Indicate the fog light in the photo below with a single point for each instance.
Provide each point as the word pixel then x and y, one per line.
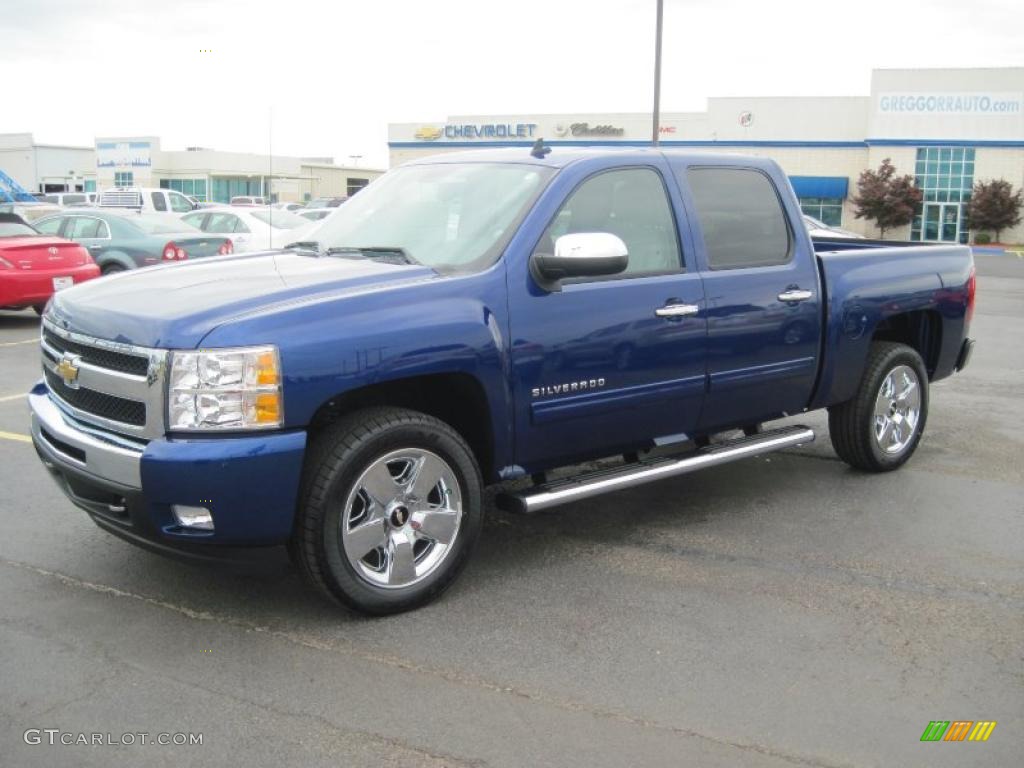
pixel 199 518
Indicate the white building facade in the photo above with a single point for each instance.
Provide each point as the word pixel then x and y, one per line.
pixel 947 128
pixel 47 167
pixel 214 176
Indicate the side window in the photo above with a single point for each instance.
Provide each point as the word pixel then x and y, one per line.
pixel 82 228
pixel 179 203
pixel 50 226
pixel 222 223
pixel 631 203
pixel 194 220
pixel 741 217
pixel 159 204
pixel 240 226
pixel 102 230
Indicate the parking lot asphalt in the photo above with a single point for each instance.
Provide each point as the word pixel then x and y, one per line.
pixel 781 611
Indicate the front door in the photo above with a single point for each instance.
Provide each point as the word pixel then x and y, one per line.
pixel 762 293
pixel 597 368
pixel 941 222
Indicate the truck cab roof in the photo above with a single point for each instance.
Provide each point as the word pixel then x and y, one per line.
pixel 561 156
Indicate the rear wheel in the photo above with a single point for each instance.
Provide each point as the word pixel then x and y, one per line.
pixel 392 506
pixel 881 427
pixel 39 309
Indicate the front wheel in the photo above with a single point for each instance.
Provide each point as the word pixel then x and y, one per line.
pixel 881 427
pixel 392 506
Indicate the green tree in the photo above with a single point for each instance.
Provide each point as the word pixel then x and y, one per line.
pixel 994 206
pixel 885 198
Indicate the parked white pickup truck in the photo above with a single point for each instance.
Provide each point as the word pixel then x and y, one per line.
pixel 146 200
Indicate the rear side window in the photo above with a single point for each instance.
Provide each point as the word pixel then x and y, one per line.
pixel 159 204
pixel 741 218
pixel 630 203
pixel 82 227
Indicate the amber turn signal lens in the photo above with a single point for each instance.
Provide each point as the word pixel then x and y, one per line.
pixel 266 369
pixel 268 408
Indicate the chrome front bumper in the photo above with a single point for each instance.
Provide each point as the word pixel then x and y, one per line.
pixel 67 442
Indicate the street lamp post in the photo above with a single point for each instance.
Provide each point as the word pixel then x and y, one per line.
pixel 657 75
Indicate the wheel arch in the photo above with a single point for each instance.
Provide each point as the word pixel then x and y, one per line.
pixel 116 257
pixel 458 399
pixel 919 329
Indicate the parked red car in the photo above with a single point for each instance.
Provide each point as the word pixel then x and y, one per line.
pixel 33 266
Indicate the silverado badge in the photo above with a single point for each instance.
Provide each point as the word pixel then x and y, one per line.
pixel 568 387
pixel 67 369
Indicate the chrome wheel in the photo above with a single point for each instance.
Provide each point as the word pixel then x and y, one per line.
pixel 897 410
pixel 401 518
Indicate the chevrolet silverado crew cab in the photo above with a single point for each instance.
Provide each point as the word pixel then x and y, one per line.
pixel 473 319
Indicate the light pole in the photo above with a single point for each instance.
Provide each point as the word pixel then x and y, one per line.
pixel 657 75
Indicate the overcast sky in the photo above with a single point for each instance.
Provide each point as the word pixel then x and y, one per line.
pixel 335 73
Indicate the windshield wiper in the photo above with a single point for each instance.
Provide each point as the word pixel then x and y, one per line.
pixel 390 254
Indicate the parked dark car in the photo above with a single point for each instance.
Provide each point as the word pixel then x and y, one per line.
pixel 120 241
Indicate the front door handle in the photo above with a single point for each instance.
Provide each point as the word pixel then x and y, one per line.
pixel 795 294
pixel 673 311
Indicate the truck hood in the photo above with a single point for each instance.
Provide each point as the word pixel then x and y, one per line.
pixel 176 305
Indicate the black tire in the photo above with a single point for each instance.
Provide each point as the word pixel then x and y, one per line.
pixel 851 424
pixel 335 460
pixel 39 309
pixel 112 268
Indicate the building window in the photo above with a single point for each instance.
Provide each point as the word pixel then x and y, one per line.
pixel 124 179
pixel 192 187
pixel 224 188
pixel 90 185
pixel 828 210
pixel 354 185
pixel 945 176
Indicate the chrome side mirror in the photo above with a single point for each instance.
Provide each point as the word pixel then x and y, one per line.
pixel 584 254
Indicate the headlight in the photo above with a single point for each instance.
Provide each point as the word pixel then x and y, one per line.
pixel 225 389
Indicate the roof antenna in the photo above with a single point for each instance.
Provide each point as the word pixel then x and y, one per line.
pixel 539 150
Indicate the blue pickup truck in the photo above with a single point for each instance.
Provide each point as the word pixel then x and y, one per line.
pixel 478 318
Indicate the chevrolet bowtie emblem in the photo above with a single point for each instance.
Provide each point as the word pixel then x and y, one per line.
pixel 67 369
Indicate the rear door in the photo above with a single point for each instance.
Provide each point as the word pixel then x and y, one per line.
pixel 600 366
pixel 761 284
pixel 89 231
pixel 232 227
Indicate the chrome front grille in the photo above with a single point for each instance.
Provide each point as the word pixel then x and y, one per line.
pixel 111 385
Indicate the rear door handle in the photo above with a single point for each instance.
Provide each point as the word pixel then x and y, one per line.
pixel 795 294
pixel 673 311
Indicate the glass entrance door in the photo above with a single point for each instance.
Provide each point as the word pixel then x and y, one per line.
pixel 941 222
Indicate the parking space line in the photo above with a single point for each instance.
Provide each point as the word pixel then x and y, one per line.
pixel 15 437
pixel 16 343
pixel 8 398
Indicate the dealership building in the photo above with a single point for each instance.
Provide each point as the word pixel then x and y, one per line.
pixel 206 174
pixel 948 128
pixel 215 176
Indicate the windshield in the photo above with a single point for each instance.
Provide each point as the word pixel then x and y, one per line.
pixel 15 229
pixel 452 217
pixel 279 218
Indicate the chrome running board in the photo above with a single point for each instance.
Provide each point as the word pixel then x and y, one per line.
pixel 584 486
